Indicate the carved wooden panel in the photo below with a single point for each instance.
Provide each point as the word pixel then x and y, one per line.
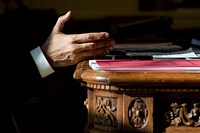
pixel 183 114
pixel 107 111
pixel 138 114
pixel 183 117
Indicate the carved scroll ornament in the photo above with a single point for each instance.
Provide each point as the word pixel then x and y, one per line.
pixel 183 115
pixel 104 112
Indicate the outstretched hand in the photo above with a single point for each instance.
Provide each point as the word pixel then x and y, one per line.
pixel 68 49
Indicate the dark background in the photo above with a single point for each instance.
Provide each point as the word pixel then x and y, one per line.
pixel 23 28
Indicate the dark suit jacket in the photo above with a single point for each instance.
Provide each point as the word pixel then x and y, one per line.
pixel 53 104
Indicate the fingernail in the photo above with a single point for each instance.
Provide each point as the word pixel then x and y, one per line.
pixel 111 41
pixel 106 35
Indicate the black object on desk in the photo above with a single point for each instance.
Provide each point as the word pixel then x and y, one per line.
pixel 124 55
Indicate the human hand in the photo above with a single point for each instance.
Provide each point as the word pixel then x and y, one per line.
pixel 68 49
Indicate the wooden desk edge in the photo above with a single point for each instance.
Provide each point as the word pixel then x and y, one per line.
pixel 84 73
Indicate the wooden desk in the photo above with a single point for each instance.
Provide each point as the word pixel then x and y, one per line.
pixel 152 102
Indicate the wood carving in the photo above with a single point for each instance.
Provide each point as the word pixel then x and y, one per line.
pixel 183 115
pixel 104 112
pixel 138 113
pixel 126 102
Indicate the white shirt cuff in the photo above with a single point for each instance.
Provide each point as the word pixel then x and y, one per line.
pixel 41 62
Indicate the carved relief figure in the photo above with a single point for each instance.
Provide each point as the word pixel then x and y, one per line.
pixel 183 115
pixel 138 113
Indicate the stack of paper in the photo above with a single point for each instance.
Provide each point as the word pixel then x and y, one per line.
pixel 180 54
pixel 185 54
pixel 178 60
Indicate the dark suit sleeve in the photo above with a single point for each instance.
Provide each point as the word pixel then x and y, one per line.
pixel 20 78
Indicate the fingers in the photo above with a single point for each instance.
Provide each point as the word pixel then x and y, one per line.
pixel 90 54
pixel 61 22
pixel 71 59
pixel 88 37
pixel 106 44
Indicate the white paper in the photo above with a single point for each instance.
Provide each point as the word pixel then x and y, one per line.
pixel 187 54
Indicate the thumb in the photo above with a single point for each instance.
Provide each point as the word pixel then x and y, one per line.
pixel 61 22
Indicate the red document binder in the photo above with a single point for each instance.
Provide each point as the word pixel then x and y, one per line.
pixel 145 65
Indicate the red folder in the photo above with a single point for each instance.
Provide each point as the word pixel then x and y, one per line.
pixel 145 65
